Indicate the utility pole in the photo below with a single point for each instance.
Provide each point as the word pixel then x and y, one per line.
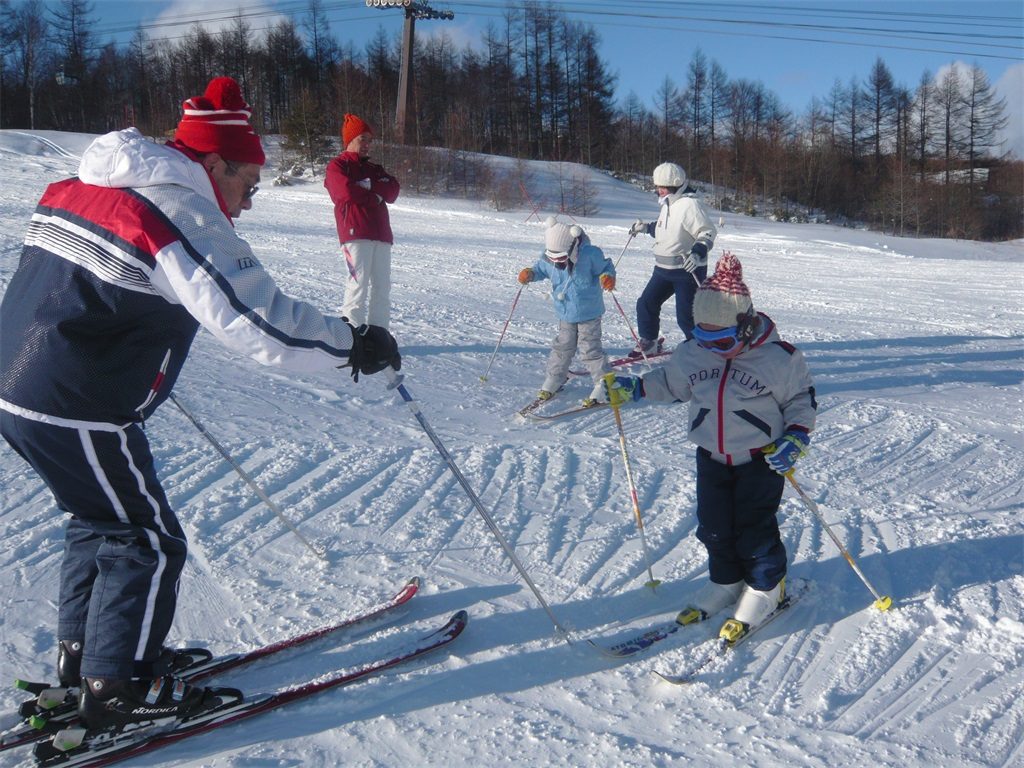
pixel 413 10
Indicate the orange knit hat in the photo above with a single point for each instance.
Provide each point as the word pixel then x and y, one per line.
pixel 352 127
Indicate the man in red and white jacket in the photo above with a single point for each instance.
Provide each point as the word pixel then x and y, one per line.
pixel 361 191
pixel 120 268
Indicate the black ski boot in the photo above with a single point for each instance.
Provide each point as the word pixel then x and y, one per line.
pixel 113 704
pixel 172 661
pixel 69 663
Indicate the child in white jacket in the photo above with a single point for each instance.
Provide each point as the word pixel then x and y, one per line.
pixel 683 235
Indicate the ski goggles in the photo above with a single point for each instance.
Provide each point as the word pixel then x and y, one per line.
pixel 717 341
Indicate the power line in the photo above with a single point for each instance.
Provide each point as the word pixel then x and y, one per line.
pixel 611 14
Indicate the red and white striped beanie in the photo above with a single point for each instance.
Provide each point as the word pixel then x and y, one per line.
pixel 723 298
pixel 218 121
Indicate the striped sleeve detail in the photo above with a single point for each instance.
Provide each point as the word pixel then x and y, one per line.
pixel 108 232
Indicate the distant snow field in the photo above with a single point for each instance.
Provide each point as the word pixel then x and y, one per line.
pixel 917 462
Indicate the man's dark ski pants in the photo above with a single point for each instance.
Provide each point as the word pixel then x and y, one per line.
pixel 124 548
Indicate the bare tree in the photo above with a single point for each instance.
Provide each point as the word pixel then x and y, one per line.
pixel 879 98
pixel 666 100
pixel 950 104
pixel 984 117
pixel 322 47
pixel 72 35
pixel 853 119
pixel 24 28
pixel 696 88
pixel 923 109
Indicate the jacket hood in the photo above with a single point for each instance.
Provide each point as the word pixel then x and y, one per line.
pixel 128 159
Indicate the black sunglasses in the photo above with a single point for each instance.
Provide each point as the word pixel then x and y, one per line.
pixel 233 171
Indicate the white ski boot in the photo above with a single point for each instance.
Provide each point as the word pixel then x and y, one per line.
pixel 753 607
pixel 709 600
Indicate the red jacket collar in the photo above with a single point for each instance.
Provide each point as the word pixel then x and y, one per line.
pixel 197 157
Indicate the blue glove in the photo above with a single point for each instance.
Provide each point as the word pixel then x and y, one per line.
pixel 783 453
pixel 624 389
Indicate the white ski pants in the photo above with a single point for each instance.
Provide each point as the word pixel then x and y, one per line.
pixel 368 288
pixel 571 338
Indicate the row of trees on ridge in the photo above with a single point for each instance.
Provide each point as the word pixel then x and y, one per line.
pixel 921 160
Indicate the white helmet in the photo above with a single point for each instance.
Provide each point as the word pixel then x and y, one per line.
pixel 669 175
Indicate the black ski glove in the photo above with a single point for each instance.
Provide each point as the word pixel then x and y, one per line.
pixel 373 350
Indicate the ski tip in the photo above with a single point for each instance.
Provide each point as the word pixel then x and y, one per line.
pixel 605 651
pixel 674 679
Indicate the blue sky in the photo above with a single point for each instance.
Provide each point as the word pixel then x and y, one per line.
pixel 797 49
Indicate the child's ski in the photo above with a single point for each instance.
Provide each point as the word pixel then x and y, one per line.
pixel 534 416
pixel 723 649
pixel 625 362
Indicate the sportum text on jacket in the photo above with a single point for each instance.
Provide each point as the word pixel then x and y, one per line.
pixel 119 269
pixel 738 406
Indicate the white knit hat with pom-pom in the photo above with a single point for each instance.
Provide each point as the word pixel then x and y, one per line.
pixel 560 239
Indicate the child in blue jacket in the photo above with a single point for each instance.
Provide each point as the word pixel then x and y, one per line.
pixel 577 271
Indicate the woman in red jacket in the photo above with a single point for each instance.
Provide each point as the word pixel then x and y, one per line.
pixel 361 191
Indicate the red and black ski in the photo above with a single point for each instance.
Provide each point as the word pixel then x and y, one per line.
pixel 56 708
pixel 75 747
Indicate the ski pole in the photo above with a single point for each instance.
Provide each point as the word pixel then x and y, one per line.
pixel 396 383
pixel 882 603
pixel 609 380
pixel 630 326
pixel 628 241
pixel 502 336
pixel 321 553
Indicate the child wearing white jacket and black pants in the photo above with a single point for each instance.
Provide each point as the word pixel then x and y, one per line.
pixel 683 234
pixel 577 271
pixel 751 411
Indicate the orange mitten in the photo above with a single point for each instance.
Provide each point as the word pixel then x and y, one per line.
pixel 526 276
pixel 608 282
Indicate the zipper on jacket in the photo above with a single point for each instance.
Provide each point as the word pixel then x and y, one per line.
pixel 721 413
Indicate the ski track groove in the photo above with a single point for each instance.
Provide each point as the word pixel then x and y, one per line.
pixel 904 702
pixel 896 680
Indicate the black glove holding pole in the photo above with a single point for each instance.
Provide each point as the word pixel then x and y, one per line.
pixel 373 350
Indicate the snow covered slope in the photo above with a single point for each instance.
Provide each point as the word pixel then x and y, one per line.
pixel 917 462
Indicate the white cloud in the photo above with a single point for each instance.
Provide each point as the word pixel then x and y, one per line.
pixel 1011 87
pixel 213 16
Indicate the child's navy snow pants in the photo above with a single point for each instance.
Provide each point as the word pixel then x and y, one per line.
pixel 736 522
pixel 663 284
pixel 124 548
